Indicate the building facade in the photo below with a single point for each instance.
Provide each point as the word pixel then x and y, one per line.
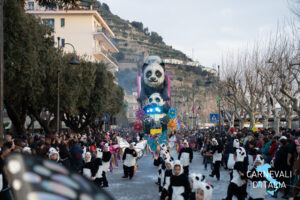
pixel 85 29
pixel 132 106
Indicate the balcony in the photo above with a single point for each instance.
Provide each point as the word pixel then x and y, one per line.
pixel 101 55
pixel 106 40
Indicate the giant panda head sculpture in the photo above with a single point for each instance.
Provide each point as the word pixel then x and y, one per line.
pixel 154 74
pixel 156 99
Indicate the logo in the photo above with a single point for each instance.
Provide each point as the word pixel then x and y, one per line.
pixel 270 176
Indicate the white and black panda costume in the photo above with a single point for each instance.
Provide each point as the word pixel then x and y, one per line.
pixel 237 186
pixel 167 178
pixel 196 179
pixel 207 190
pixel 106 163
pixel 88 166
pixel 129 159
pixel 231 161
pixel 97 162
pixel 186 157
pixel 217 158
pixel 179 188
pixel 160 163
pixel 52 151
pixel 257 192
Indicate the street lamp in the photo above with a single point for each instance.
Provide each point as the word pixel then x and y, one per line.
pixel 73 61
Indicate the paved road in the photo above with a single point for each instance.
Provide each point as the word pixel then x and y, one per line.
pixel 143 187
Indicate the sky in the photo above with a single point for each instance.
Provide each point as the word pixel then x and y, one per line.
pixel 206 30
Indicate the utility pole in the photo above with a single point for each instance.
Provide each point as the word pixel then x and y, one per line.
pixel 1 66
pixel 219 99
pixel 58 76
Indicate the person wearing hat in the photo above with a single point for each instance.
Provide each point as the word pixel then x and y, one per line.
pixel 167 177
pixel 217 158
pixel 256 191
pixel 239 177
pixel 106 163
pixel 129 157
pixel 186 156
pixel 281 166
pixel 179 188
pixel 53 154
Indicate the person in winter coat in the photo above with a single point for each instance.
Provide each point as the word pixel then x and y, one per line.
pixel 257 192
pixel 281 166
pixel 76 155
pixel 106 163
pixel 207 153
pixel 97 164
pixel 296 171
pixel 239 174
pixel 217 158
pixel 186 157
pixel 273 147
pixel 129 157
pixel 179 188
pixel 167 178
pixel 265 150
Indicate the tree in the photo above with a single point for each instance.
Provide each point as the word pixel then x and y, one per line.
pixel 28 47
pixel 155 38
pixel 138 25
pixel 105 7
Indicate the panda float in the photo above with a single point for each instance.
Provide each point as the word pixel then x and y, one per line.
pixel 153 96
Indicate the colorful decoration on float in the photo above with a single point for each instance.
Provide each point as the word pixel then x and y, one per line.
pixel 172 124
pixel 140 114
pixel 172 113
pixel 163 138
pixel 155 131
pixel 152 144
pixel 138 127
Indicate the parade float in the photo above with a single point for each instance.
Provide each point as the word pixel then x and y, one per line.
pixel 155 117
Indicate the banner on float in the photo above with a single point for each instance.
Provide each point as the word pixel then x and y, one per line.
pixel 155 131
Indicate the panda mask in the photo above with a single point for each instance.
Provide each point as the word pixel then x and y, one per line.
pixel 196 179
pixel 156 99
pixel 240 154
pixel 207 189
pixel 154 75
pixel 259 159
pixel 236 143
pixel 176 163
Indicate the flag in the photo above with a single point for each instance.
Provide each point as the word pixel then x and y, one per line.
pixel 218 100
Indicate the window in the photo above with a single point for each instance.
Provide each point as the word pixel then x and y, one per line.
pixel 30 5
pixel 49 22
pixel 62 22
